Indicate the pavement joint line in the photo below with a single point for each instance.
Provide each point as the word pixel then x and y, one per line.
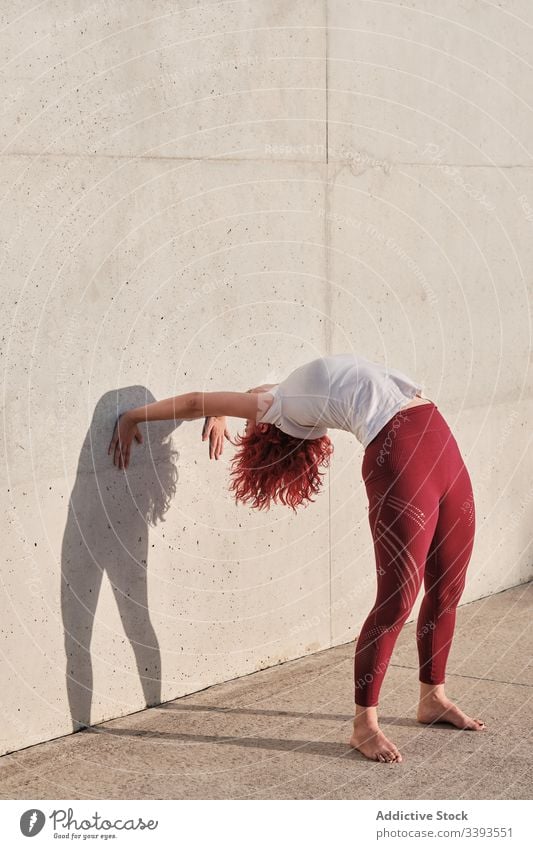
pixel 474 677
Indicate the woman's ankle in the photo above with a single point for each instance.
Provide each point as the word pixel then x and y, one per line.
pixel 366 715
pixel 431 692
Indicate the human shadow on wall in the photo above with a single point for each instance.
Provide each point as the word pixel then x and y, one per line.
pixel 109 514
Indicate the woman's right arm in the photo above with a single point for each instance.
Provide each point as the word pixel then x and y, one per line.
pixel 197 405
pixel 190 405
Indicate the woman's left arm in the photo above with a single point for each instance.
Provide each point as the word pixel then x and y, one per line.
pixel 215 427
pixel 216 430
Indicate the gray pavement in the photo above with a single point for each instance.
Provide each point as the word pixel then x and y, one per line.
pixel 282 733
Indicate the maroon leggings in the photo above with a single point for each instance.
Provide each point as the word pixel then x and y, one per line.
pixel 422 518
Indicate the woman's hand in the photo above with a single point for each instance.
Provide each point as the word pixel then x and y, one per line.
pixel 215 428
pixel 123 435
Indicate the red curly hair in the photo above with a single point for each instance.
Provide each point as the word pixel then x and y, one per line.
pixel 270 465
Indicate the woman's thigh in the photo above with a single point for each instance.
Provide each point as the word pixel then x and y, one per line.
pixel 453 540
pixel 404 487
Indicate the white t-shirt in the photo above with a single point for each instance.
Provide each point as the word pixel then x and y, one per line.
pixel 343 391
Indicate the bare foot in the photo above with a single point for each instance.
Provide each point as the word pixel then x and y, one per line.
pixel 441 709
pixel 372 743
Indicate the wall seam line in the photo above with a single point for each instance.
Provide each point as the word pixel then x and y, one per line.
pixel 329 304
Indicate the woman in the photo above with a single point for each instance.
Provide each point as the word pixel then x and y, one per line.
pixel 421 506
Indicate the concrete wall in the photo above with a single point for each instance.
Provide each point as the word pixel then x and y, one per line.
pixel 203 196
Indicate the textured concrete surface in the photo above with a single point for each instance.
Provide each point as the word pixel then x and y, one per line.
pixel 282 733
pixel 203 196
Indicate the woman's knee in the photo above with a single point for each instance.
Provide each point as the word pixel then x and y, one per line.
pixel 391 614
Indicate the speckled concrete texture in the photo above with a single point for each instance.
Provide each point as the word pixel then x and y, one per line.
pixel 202 196
pixel 282 733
